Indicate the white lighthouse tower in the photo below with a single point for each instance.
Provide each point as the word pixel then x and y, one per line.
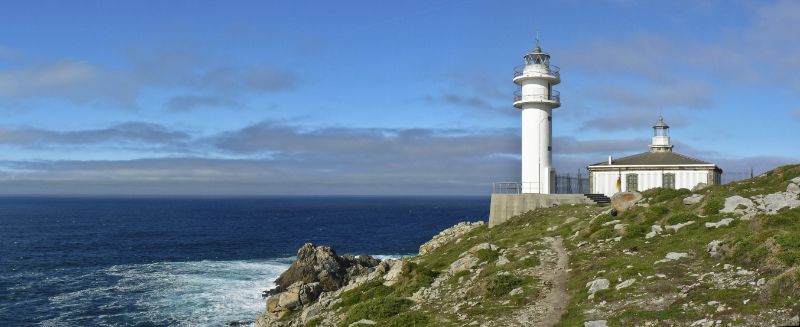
pixel 537 99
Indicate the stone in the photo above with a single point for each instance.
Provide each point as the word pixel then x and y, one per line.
pixel 597 284
pixel 464 263
pixel 515 291
pixel 713 248
pixel 761 282
pixel 699 187
pixel 625 284
pixel 501 261
pixel 771 203
pixel 693 199
pixel 447 235
pixel 793 188
pixel 364 322
pixel 595 323
pixel 609 223
pixel 723 222
pixel 676 227
pixel 622 201
pixel 732 204
pixel 673 256
pixel 570 220
pixel 796 180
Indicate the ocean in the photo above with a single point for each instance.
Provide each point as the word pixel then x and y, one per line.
pixel 188 261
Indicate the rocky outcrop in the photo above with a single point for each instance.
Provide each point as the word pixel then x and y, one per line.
pixel 448 235
pixel 317 269
pixel 322 265
pixel 622 201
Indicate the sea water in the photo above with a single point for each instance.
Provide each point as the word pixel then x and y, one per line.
pixel 188 261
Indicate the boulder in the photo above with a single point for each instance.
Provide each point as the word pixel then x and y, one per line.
pixel 771 203
pixel 793 188
pixel 672 256
pixel 595 323
pixel 597 285
pixel 625 284
pixel 295 296
pixel 676 227
pixel 732 204
pixel 723 222
pixel 622 201
pixel 713 248
pixel 699 187
pixel 693 199
pixel 322 265
pixel 394 271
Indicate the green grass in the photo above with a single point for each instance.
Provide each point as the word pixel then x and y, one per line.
pixel 769 243
pixel 377 309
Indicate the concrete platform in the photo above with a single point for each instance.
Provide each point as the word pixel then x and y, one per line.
pixel 505 206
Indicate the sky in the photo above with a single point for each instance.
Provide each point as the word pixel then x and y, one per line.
pixel 377 97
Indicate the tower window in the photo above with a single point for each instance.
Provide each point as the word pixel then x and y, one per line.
pixel 549 148
pixel 632 183
pixel 550 118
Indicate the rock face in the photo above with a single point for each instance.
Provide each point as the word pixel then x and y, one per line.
pixel 624 200
pixel 317 269
pixel 447 235
pixel 322 265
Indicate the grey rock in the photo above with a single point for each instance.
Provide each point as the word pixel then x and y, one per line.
pixel 793 188
pixel 363 322
pixel 722 222
pixel 676 227
pixel 699 187
pixel 595 323
pixel 713 248
pixel 597 284
pixel 733 202
pixel 693 199
pixel 625 284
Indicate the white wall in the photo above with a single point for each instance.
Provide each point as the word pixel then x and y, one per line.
pixel 604 182
pixel 536 158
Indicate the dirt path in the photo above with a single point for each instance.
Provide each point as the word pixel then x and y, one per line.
pixel 556 301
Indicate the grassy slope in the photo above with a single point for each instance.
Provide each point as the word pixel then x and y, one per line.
pixel 768 244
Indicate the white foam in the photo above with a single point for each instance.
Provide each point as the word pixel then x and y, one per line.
pixel 200 293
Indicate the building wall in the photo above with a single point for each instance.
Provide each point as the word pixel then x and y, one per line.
pixel 605 182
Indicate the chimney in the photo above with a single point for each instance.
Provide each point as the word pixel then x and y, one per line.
pixel 609 159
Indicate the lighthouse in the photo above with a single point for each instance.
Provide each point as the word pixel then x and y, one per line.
pixel 537 99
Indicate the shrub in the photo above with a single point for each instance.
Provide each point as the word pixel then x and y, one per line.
pixel 409 319
pixel 486 255
pixel 790 248
pixel 369 290
pixel 658 195
pixel 713 205
pixel 377 309
pixel 415 276
pixel 681 217
pixel 501 285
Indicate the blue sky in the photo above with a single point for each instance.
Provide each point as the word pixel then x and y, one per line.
pixel 366 97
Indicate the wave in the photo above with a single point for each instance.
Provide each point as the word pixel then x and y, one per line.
pixel 195 293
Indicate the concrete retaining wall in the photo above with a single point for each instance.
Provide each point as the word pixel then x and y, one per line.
pixel 505 206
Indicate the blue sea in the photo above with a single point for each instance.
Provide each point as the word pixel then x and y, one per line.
pixel 188 261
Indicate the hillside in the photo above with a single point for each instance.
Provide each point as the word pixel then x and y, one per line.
pixel 722 256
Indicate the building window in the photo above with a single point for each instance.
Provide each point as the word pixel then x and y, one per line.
pixel 668 181
pixel 549 148
pixel 631 183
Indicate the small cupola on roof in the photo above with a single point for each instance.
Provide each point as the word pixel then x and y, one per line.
pixel 660 137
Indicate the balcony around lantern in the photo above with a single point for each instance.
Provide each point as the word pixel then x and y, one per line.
pixel 545 71
pixel 553 100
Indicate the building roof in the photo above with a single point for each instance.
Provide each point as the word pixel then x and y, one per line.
pixel 653 159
